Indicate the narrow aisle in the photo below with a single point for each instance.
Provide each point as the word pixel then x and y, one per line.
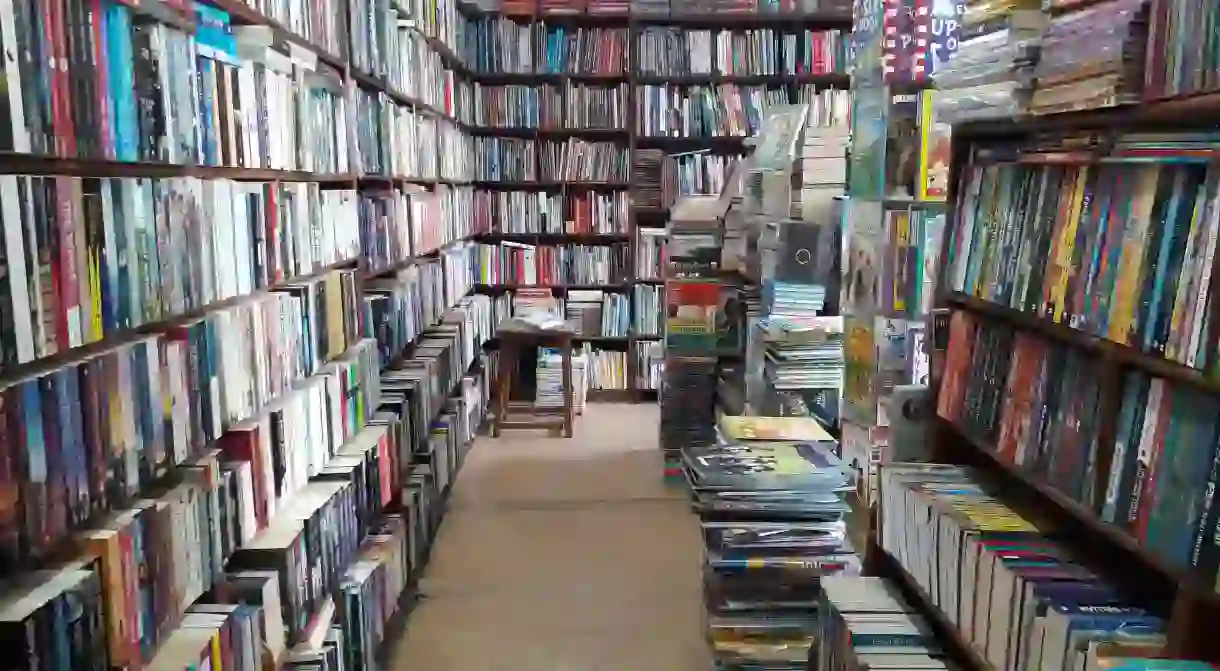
pixel 563 555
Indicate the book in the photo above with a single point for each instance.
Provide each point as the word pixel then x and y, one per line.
pixel 1002 578
pixel 665 51
pixel 554 265
pixel 727 110
pixel 1100 279
pixel 580 50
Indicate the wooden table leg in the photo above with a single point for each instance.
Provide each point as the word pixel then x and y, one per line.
pixel 567 390
pixel 504 375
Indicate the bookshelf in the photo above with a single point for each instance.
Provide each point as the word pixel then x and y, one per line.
pixel 226 300
pixel 575 72
pixel 1121 307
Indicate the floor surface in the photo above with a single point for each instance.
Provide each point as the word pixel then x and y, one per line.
pixel 563 555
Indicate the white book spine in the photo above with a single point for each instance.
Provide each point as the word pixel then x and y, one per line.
pixel 12 72
pixel 19 295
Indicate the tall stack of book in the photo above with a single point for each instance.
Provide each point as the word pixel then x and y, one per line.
pixel 772 534
pixel 692 302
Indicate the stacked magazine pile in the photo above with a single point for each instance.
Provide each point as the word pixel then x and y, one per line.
pixel 992 74
pixel 805 357
pixel 770 498
pixel 549 380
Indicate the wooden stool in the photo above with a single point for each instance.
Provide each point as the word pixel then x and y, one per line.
pixel 516 336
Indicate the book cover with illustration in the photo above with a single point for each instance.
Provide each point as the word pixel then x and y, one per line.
pixel 934 150
pixel 866 179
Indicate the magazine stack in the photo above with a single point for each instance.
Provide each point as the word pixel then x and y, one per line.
pixel 769 495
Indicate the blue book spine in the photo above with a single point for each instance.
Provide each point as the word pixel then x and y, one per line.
pixel 76 438
pixel 121 78
pixel 1167 234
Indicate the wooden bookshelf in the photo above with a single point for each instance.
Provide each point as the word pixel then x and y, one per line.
pixel 1190 597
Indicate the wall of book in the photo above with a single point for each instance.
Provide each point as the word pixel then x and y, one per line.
pixel 237 237
pixel 572 178
pixel 1074 357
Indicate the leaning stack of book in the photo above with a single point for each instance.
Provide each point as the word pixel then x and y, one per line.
pixel 771 534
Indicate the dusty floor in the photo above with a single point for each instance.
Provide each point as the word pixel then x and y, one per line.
pixel 563 555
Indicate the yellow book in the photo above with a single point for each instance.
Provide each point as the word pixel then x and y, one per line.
pixel 1182 301
pixel 1127 284
pixel 935 150
pixel 1067 244
pixel 773 428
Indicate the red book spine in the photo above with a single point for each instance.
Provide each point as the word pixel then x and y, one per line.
pixel 386 469
pixel 274 271
pixel 62 82
pixel 69 289
pixel 1147 500
pixel 131 596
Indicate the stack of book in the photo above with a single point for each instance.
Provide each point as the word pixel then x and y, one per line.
pixel 1092 57
pixel 992 73
pixel 866 623
pixel 548 392
pixel 769 497
pixel 804 353
pixel 653 179
pixel 692 309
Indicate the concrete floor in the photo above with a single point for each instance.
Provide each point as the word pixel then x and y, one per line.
pixel 563 555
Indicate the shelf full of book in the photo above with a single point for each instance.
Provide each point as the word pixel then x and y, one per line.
pixel 190 385
pixel 1077 369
